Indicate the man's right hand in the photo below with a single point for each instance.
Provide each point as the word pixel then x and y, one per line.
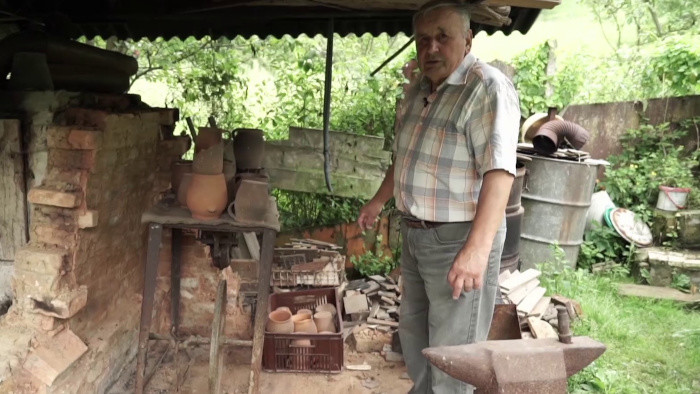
pixel 368 214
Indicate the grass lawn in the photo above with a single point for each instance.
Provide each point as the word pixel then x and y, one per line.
pixel 653 346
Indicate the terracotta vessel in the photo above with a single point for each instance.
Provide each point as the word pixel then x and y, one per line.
pixel 209 161
pixel 306 326
pixel 251 202
pixel 206 197
pixel 177 170
pixel 185 183
pixel 305 312
pixel 206 138
pixel 327 308
pixel 284 308
pixel 280 322
pixel 249 148
pixel 242 176
pixel 324 321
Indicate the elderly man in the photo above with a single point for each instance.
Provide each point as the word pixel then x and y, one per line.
pixel 454 164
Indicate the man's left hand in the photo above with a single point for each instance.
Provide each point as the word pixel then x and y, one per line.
pixel 467 272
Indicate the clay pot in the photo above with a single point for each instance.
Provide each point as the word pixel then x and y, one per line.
pixel 207 137
pixel 327 308
pixel 305 312
pixel 280 322
pixel 209 161
pixel 185 183
pixel 305 325
pixel 177 170
pixel 240 177
pixel 324 321
pixel 251 201
pixel 284 308
pixel 249 148
pixel 206 197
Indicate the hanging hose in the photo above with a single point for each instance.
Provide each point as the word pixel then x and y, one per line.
pixel 327 107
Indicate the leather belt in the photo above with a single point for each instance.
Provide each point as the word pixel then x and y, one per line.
pixel 414 223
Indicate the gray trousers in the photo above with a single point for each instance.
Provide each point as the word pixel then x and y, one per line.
pixel 429 316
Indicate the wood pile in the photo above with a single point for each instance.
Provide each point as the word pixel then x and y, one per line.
pixel 537 312
pixel 372 306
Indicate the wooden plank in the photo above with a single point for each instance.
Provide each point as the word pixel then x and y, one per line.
pixel 13 205
pixel 540 308
pixel 503 276
pixel 521 292
pixel 264 273
pixel 546 4
pixel 541 329
pixel 383 322
pixel 513 282
pixel 251 241
pixel 662 293
pixel 527 304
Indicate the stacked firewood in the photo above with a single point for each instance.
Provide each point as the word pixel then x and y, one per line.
pixel 372 307
pixel 537 312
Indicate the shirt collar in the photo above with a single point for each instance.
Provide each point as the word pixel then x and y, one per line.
pixel 458 76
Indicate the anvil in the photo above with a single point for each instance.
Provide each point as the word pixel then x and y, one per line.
pixel 518 365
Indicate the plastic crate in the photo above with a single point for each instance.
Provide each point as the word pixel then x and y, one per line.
pixel 284 274
pixel 326 351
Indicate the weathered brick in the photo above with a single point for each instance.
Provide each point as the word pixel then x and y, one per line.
pixel 69 176
pixel 65 306
pixel 52 235
pixel 66 158
pixel 48 261
pixel 54 198
pixel 88 219
pixel 54 356
pixel 72 138
pixel 84 139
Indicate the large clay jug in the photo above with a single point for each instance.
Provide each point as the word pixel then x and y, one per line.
pixel 248 148
pixel 206 197
pixel 184 187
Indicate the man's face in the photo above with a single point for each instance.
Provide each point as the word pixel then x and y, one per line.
pixel 441 43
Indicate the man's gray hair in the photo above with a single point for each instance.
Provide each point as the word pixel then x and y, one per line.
pixel 458 6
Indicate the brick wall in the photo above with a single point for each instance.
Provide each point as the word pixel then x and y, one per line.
pixel 97 162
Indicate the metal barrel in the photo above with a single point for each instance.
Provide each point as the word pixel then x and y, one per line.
pixel 514 221
pixel 556 198
pixel 516 189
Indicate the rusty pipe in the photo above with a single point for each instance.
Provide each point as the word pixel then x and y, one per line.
pixel 553 133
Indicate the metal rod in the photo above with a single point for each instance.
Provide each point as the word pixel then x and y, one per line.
pixel 212 121
pixel 190 126
pixel 327 106
pixel 197 340
pixel 392 57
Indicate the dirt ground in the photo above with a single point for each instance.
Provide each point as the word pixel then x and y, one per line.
pixel 384 377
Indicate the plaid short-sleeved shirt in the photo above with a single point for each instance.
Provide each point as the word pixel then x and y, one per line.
pixel 446 141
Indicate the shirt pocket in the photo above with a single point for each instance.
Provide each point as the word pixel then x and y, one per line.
pixel 443 147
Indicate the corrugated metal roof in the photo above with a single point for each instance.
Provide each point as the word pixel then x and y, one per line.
pixel 147 18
